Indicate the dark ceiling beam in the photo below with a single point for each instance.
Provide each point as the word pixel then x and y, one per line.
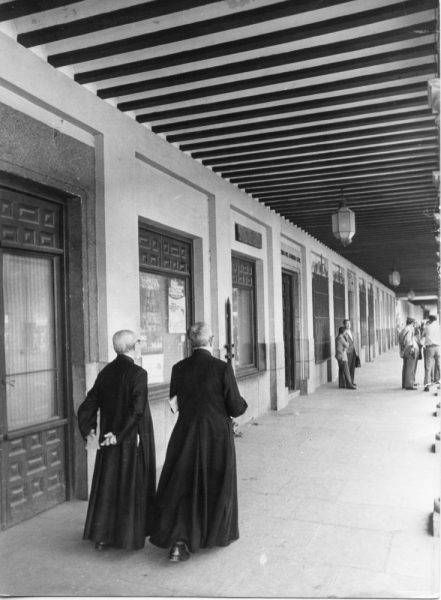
pixel 323 129
pixel 259 64
pixel 404 185
pixel 161 8
pixel 107 20
pixel 292 120
pixel 411 164
pixel 22 8
pixel 328 158
pixel 258 191
pixel 308 105
pixel 251 184
pixel 250 83
pixel 363 211
pixel 279 166
pixel 350 186
pixel 428 69
pixel 386 199
pixel 242 45
pixel 229 22
pixel 393 222
pixel 346 139
pixel 359 146
pixel 393 216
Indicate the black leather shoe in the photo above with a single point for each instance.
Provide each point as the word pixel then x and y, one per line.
pixel 100 546
pixel 179 552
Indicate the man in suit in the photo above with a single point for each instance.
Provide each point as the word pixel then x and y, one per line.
pixel 196 501
pixel 124 479
pixel 432 344
pixel 352 355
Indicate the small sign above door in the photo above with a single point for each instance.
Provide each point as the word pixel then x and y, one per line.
pixel 248 236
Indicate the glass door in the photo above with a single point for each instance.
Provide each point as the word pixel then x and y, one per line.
pixel 33 424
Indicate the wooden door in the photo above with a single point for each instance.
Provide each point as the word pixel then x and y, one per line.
pixel 32 412
pixel 288 330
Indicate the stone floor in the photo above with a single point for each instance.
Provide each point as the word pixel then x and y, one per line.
pixel 335 498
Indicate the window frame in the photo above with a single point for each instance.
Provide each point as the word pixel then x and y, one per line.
pixel 250 368
pixel 160 391
pixel 325 343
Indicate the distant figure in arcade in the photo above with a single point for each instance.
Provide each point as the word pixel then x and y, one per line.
pixel 432 342
pixel 409 351
pixel 352 354
pixel 341 349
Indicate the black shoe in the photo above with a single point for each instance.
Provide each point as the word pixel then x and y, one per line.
pixel 100 546
pixel 426 389
pixel 179 552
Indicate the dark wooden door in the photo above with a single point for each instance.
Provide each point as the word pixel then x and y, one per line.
pixel 32 412
pixel 288 330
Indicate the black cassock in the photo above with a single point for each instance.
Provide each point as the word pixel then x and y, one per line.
pixel 124 478
pixel 197 492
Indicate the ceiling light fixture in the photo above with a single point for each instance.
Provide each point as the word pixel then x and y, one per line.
pixel 343 223
pixel 394 278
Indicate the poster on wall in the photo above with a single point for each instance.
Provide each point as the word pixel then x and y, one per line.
pixel 151 313
pixel 154 365
pixel 177 322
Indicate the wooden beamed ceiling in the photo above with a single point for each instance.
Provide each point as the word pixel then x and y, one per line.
pixel 297 103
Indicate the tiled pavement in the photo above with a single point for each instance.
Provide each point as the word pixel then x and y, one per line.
pixel 335 497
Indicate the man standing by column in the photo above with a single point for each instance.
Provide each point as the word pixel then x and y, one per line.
pixel 432 341
pixel 352 355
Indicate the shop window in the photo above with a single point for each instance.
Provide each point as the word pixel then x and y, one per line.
pixel 164 284
pixel 371 321
pixel 363 314
pixel 320 311
pixel 243 313
pixel 339 299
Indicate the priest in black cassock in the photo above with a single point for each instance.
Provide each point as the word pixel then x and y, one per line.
pixel 124 480
pixel 196 502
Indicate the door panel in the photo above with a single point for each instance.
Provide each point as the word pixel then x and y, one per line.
pixel 288 330
pixel 35 474
pixel 32 416
pixel 30 358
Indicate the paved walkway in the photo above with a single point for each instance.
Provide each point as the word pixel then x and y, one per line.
pixel 335 498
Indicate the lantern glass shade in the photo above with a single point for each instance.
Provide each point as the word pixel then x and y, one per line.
pixel 343 225
pixel 394 278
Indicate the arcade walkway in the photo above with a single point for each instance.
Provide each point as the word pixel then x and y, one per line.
pixel 335 497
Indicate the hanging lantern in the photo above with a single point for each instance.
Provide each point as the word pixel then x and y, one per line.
pixel 411 295
pixel 394 278
pixel 343 224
